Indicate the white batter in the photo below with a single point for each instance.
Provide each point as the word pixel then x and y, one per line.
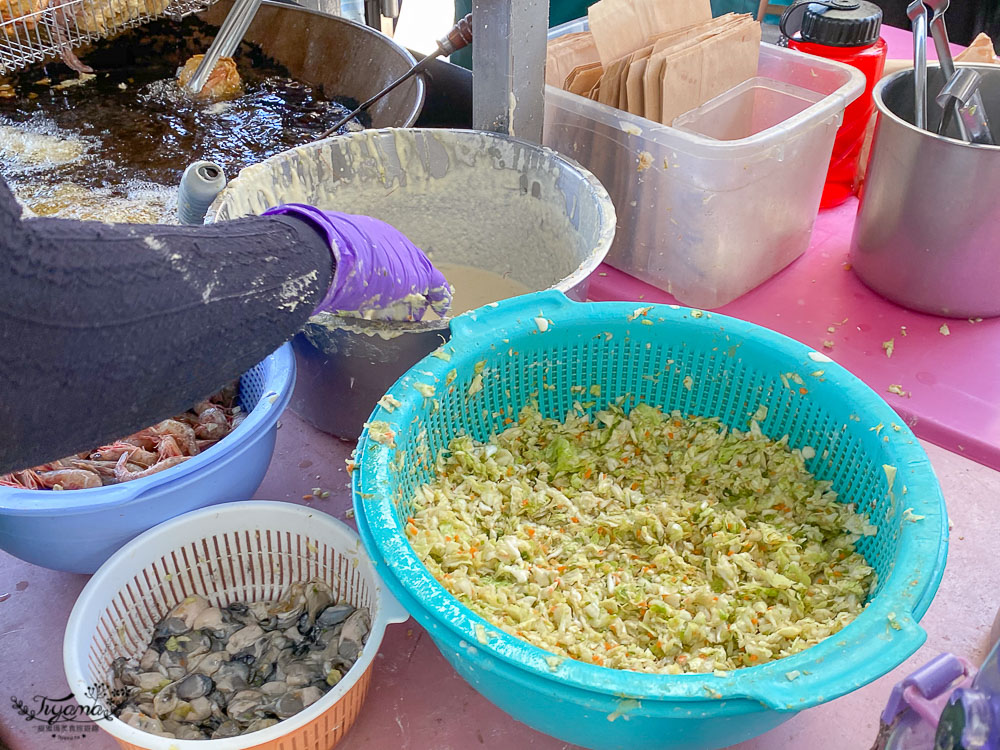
pixel 474 287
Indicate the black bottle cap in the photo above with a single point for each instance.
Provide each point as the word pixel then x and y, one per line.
pixel 835 23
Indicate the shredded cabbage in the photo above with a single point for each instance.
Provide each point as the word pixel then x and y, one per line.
pixel 648 541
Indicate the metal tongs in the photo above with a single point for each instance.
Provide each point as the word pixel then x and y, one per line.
pixel 959 98
pixel 226 41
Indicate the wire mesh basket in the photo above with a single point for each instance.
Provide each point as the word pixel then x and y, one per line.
pixel 35 30
pixel 542 348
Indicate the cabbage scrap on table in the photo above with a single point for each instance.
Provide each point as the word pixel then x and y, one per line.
pixel 644 541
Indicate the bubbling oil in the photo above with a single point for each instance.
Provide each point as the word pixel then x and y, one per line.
pixel 115 146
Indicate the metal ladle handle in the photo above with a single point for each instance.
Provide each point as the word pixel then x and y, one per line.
pixel 458 38
pixel 917 13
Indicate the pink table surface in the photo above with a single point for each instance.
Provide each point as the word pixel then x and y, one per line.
pixel 953 381
pixel 418 702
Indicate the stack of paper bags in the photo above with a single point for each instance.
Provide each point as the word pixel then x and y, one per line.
pixel 655 58
pixel 568 56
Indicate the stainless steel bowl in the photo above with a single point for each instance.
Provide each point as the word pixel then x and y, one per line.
pixel 928 229
pixel 466 197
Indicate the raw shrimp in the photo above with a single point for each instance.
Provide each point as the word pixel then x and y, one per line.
pixel 212 424
pixel 69 479
pixel 123 474
pixel 182 434
pixel 114 451
pixel 146 452
pixel 168 448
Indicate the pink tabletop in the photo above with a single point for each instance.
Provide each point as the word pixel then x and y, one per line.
pixel 951 382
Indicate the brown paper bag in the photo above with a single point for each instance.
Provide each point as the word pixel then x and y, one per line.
pixel 635 93
pixel 595 91
pixel 980 51
pixel 583 78
pixel 623 77
pixel 621 27
pixel 658 16
pixel 616 29
pixel 699 72
pixel 611 83
pixel 669 43
pixel 631 93
pixel 566 53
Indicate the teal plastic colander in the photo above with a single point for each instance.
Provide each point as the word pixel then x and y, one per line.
pixel 536 348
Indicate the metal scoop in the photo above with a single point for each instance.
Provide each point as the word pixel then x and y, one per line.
pixel 957 96
pixel 226 41
pixel 917 13
pixel 971 120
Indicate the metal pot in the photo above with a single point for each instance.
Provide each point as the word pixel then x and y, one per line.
pixel 345 58
pixel 471 198
pixel 928 228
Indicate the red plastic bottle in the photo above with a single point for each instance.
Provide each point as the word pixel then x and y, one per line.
pixel 846 31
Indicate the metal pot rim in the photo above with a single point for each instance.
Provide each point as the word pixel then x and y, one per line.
pixel 886 112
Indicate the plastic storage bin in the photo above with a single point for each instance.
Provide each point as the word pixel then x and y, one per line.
pixel 707 220
pixel 750 108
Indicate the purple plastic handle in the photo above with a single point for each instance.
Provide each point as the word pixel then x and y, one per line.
pixel 927 689
pixel 981 703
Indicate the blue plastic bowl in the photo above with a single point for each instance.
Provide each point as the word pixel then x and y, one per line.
pixel 537 347
pixel 77 530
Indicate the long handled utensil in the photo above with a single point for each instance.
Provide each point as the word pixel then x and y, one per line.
pixel 458 38
pixel 226 41
pixel 917 13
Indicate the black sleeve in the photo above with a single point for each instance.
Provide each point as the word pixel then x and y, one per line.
pixel 108 328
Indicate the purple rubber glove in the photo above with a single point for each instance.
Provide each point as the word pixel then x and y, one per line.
pixel 377 266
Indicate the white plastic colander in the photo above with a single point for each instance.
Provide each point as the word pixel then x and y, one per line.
pixel 247 551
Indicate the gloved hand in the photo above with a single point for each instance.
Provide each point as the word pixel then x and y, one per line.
pixel 377 266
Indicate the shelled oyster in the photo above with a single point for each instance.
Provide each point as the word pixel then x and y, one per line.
pixel 211 672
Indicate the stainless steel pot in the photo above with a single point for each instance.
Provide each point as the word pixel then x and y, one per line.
pixel 928 228
pixel 466 197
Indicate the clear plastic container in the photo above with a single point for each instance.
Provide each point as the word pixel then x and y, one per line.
pixel 750 108
pixel 708 220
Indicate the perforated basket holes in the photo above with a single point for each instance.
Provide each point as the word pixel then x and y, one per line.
pixel 713 377
pixel 238 566
pixel 253 383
